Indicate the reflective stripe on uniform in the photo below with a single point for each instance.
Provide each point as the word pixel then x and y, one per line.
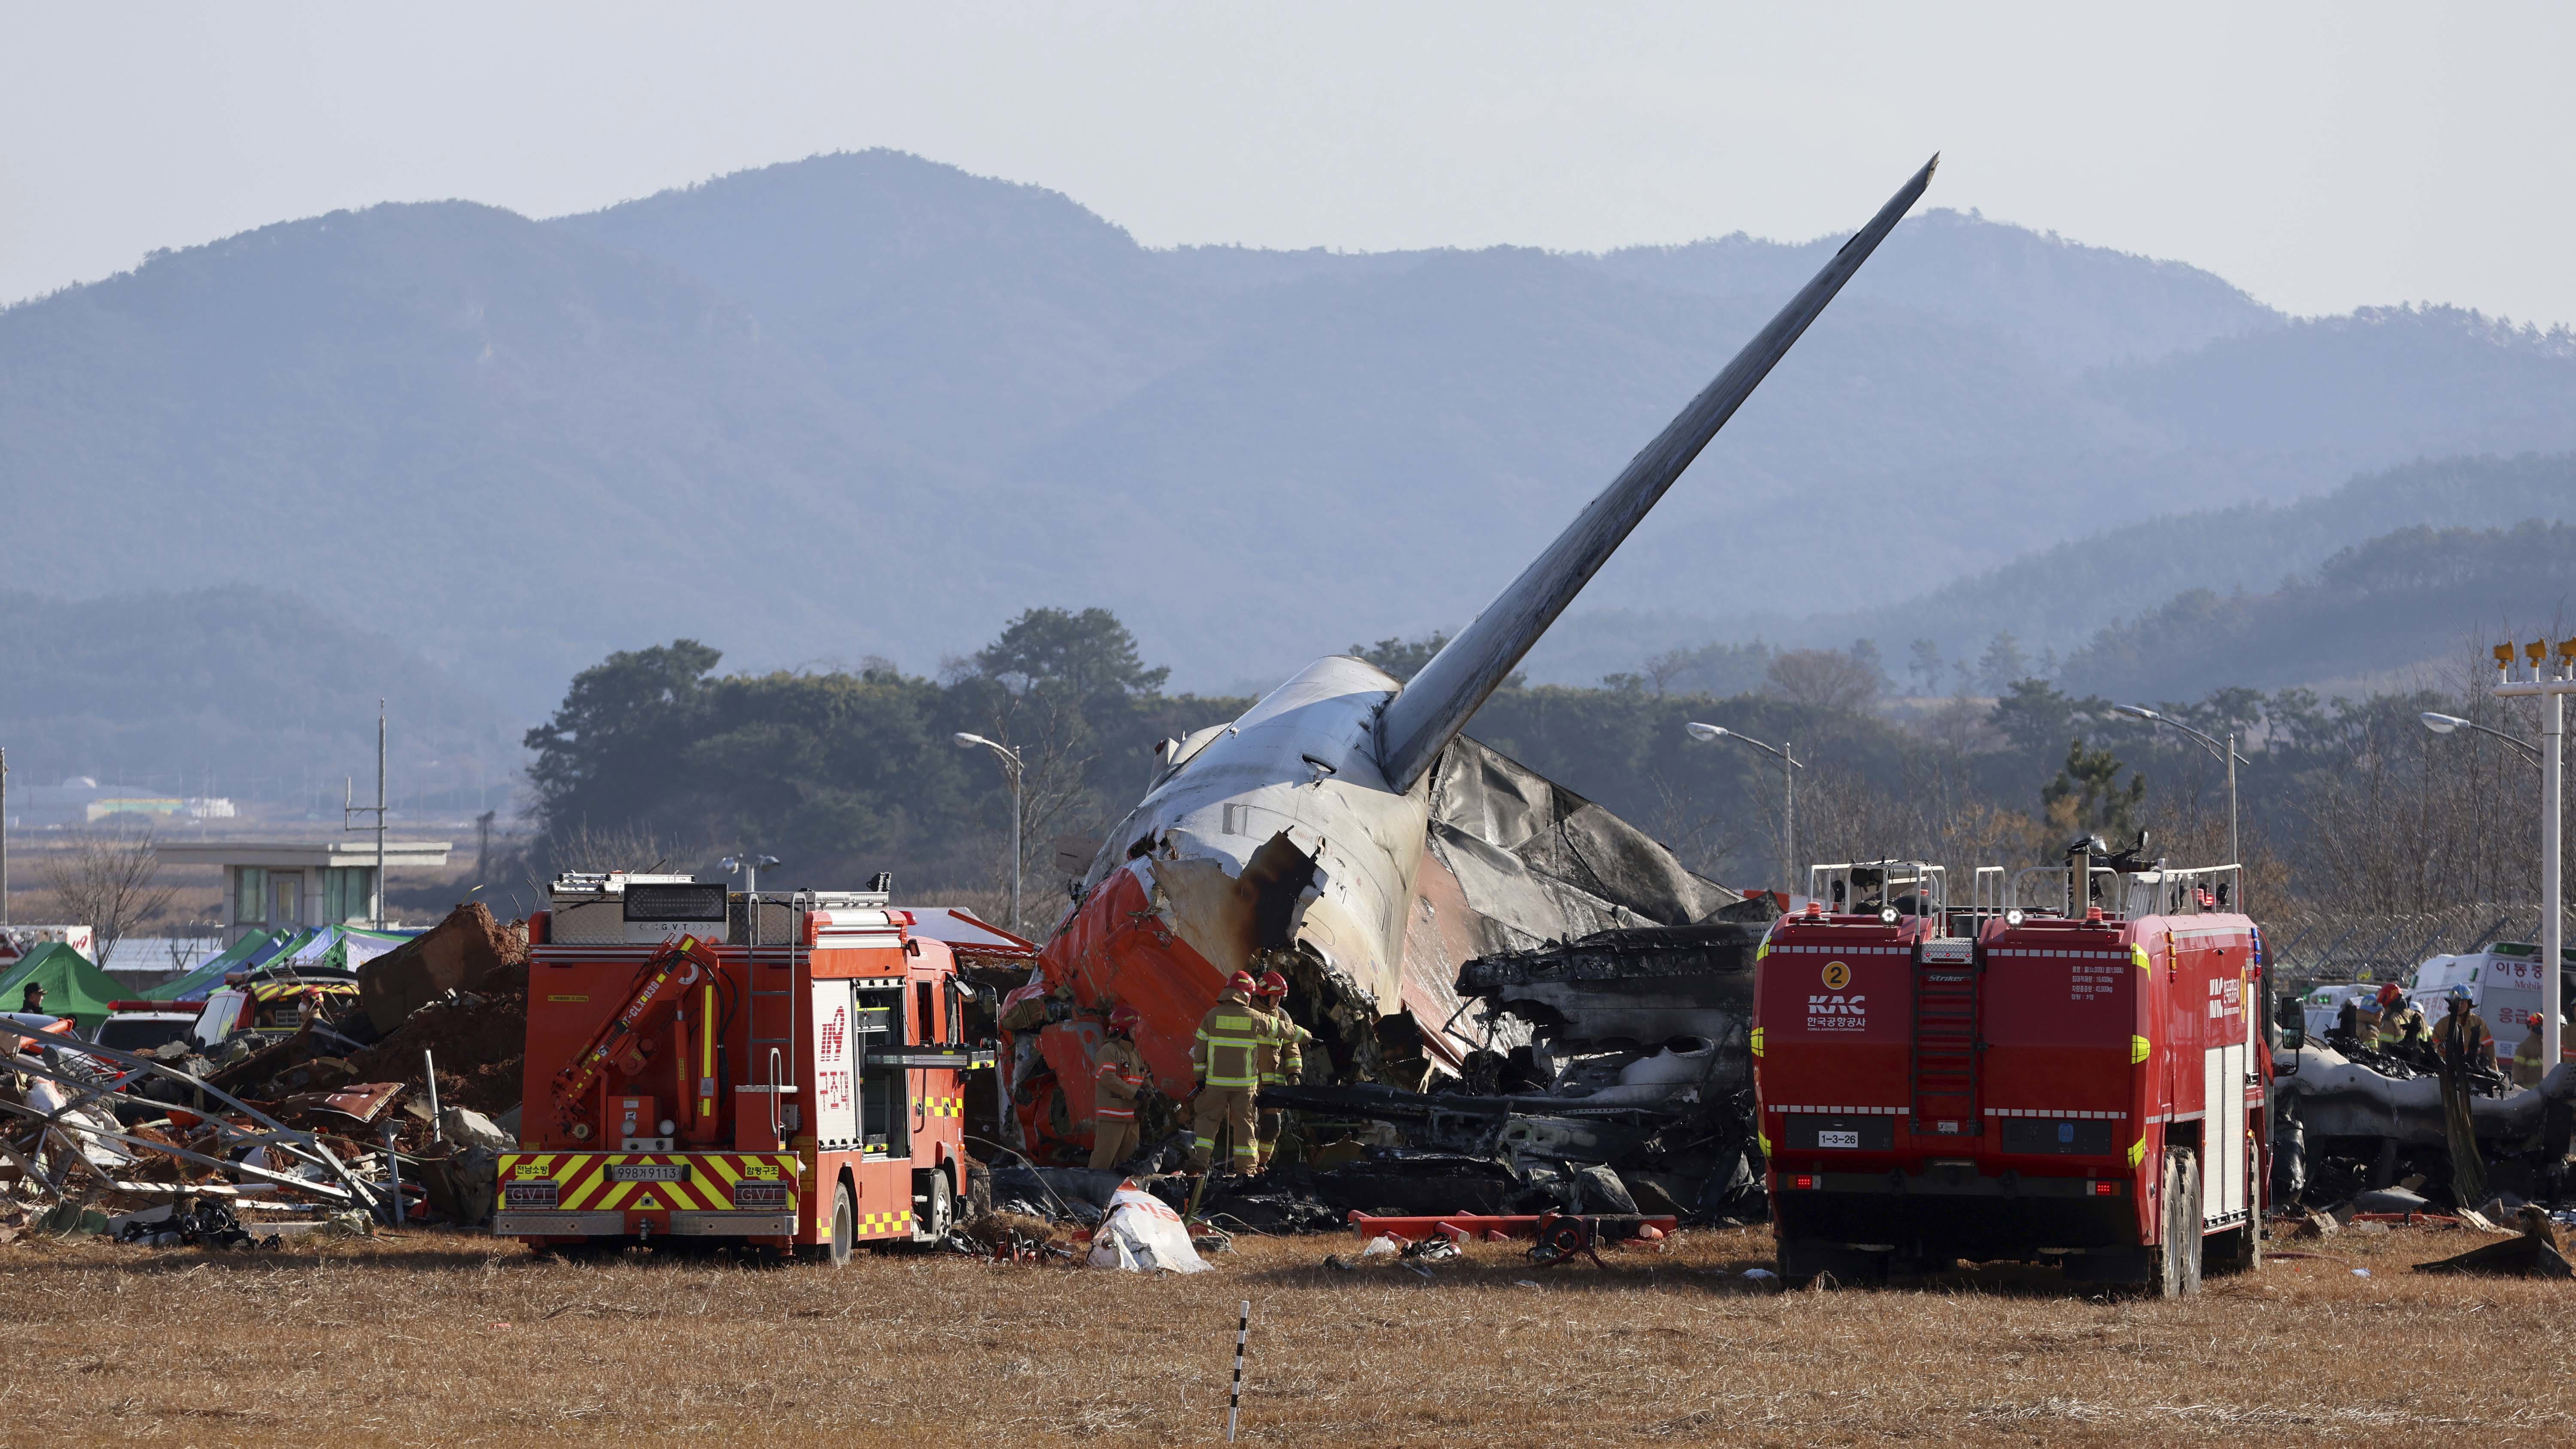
pixel 1238 1032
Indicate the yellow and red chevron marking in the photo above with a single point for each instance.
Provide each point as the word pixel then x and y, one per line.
pixel 878 1225
pixel 583 1182
pixel 947 1106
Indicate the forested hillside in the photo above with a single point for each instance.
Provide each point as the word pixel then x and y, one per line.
pixel 2400 600
pixel 2054 601
pixel 870 405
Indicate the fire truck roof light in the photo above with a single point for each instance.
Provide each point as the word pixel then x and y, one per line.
pixel 2013 917
pixel 1887 915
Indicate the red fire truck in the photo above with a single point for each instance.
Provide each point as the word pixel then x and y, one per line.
pixel 2081 1085
pixel 783 1071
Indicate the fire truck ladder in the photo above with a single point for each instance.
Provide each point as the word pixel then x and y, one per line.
pixel 1944 1062
pixel 771 1054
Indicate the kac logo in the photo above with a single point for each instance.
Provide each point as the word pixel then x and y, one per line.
pixel 1837 1013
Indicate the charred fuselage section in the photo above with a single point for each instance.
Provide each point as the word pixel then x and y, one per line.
pixel 1629 1016
pixel 1622 1049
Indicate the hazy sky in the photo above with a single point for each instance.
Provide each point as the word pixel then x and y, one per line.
pixel 2322 156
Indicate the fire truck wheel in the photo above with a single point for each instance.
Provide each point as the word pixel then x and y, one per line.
pixel 845 1225
pixel 2177 1262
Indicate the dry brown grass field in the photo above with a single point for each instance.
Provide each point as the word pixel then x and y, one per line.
pixel 453 1339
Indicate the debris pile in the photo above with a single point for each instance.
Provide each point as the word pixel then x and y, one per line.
pixel 1614 1077
pixel 477 1038
pixel 313 1110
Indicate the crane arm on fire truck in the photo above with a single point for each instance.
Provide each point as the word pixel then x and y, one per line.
pixel 622 1040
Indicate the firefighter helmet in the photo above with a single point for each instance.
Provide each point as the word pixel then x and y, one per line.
pixel 1241 981
pixel 1273 984
pixel 1124 1018
pixel 2389 992
pixel 2458 993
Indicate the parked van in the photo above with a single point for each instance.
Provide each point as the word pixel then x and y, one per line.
pixel 2323 1005
pixel 2504 983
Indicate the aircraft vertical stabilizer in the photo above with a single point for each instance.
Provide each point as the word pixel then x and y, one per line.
pixel 1431 709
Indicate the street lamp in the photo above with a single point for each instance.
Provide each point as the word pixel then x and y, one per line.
pixel 2443 724
pixel 1789 768
pixel 1011 765
pixel 2226 752
pixel 2555 686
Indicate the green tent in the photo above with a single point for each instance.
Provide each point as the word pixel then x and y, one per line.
pixel 208 974
pixel 309 947
pixel 73 987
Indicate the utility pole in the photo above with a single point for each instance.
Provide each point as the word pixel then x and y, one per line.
pixel 2225 752
pixel 376 894
pixel 4 838
pixel 1789 768
pixel 2552 686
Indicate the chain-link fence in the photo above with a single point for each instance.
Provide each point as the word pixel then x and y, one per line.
pixel 2312 946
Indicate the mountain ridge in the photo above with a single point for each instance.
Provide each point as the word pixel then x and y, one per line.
pixel 869 404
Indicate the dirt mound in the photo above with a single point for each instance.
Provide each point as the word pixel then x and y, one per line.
pixel 458 954
pixel 478 1041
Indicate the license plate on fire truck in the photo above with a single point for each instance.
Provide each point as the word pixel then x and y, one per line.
pixel 648 1172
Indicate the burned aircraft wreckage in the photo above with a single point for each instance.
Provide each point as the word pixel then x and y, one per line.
pixel 2349 1120
pixel 1446 917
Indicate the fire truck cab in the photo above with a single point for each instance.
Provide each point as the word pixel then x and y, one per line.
pixel 2080 1082
pixel 778 1070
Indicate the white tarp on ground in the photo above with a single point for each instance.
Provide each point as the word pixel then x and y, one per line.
pixel 1141 1235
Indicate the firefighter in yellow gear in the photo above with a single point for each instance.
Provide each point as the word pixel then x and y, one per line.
pixel 1282 1062
pixel 2526 1057
pixel 1227 1053
pixel 1117 1081
pixel 2461 1038
pixel 2400 1020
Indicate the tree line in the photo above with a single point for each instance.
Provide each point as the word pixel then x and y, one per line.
pixel 654 757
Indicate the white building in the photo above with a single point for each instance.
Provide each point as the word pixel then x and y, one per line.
pixel 271 883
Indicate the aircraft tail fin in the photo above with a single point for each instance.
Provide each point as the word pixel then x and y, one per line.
pixel 1421 720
